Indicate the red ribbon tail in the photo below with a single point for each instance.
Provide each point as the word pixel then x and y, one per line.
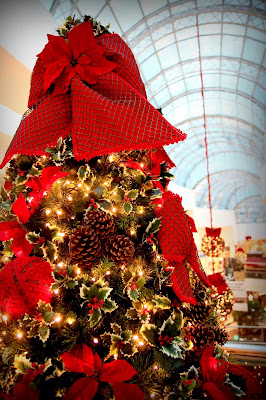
pixel 181 283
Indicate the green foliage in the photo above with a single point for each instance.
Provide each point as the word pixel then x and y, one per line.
pixel 148 331
pixel 153 226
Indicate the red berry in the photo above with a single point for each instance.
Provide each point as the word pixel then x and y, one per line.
pixel 166 337
pixel 161 343
pixel 89 305
pixel 122 343
pixel 91 312
pixel 117 345
pixel 95 299
pixel 101 302
pixel 95 306
pixel 169 341
pixel 160 338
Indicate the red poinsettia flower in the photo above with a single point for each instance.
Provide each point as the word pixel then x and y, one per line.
pixel 44 184
pixel 13 229
pixel 23 390
pixel 254 389
pixel 8 186
pixel 81 55
pixel 82 360
pixel 213 373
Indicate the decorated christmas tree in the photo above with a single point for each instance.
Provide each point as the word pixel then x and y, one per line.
pixel 102 293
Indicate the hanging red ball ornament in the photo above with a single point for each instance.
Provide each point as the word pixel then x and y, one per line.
pixel 212 244
pixel 23 282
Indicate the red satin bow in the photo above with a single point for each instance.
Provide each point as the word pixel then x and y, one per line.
pixel 213 232
pixel 81 55
pixel 13 229
pixel 44 184
pixel 82 360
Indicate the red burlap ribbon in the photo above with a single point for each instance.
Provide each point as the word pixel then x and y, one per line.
pixel 104 111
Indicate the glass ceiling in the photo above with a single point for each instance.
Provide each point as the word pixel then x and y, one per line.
pixel 163 35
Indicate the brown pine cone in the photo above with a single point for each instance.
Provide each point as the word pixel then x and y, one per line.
pixel 84 246
pixel 119 249
pixel 145 250
pixel 199 312
pixel 101 223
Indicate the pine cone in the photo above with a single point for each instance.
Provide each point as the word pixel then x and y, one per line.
pixel 145 250
pixel 120 249
pixel 84 246
pixel 203 336
pixel 101 223
pixel 199 312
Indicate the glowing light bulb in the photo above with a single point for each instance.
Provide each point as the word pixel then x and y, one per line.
pixel 159 205
pixel 142 165
pixel 122 267
pixel 111 158
pixel 135 337
pixel 43 157
pixel 70 321
pixel 58 318
pixel 59 212
pixel 86 195
pixel 155 367
pixel 59 181
pixel 19 335
pixel 105 183
pixel 114 209
pixel 47 212
pixel 132 232
pixel 141 210
pixel 79 184
pixel 95 340
pixel 47 224
pixel 61 234
pixel 153 395
pixel 56 291
pixel 67 182
pixel 87 188
pixel 69 198
pixel 141 343
pixel 78 271
pixel 5 318
pixel 108 272
pixel 45 193
pixel 60 264
pixel 93 279
pixel 140 273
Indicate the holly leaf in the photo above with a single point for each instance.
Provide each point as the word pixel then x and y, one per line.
pixel 70 283
pixel 153 226
pixel 172 350
pixel 43 307
pixel 118 194
pixel 127 275
pixel 44 333
pixel 109 305
pixel 129 349
pixel 83 172
pixel 178 319
pixel 132 313
pixel 21 363
pixel 88 293
pixel 34 329
pixel 162 302
pixel 126 335
pixel 141 282
pixel 127 207
pixel 104 293
pixel 49 251
pixel 95 317
pixel 133 294
pixel 165 362
pixel 32 237
pixel 33 171
pixel 148 331
pixel 106 338
pixel 116 328
pixel 132 194
pixel 48 317
pixel 169 328
pixel 105 204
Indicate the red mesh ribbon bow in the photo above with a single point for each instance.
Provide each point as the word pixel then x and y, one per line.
pixel 177 244
pixel 105 110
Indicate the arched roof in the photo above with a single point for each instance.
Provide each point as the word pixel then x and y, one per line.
pixel 164 35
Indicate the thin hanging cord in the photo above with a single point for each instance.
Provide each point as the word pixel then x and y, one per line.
pixel 205 127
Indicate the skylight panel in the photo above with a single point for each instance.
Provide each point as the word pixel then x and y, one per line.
pixel 168 56
pixel 145 54
pixel 128 12
pixel 162 97
pixel 177 88
pixel 210 46
pixel 245 86
pixel 150 67
pixel 188 49
pixel 91 7
pixel 165 41
pixel 232 46
pixel 228 81
pixel 253 51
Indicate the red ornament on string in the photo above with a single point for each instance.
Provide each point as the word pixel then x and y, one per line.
pixel 23 282
pixel 177 244
pixel 212 244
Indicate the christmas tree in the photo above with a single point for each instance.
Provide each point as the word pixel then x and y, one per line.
pixel 102 293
